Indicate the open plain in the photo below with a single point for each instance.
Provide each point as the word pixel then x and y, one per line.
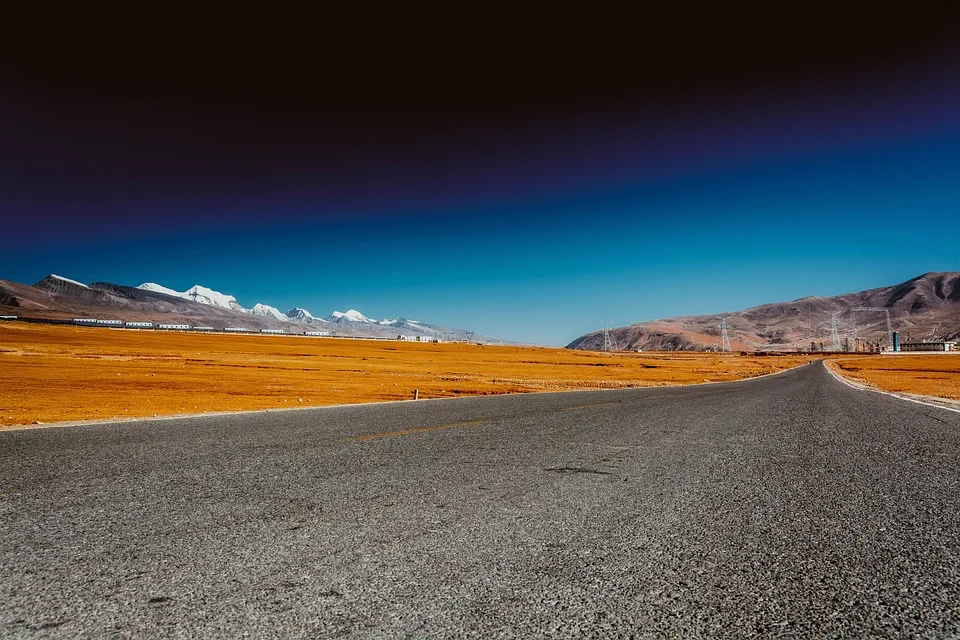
pixel 60 373
pixel 928 374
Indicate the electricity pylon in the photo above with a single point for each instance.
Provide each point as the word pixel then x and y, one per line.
pixel 834 334
pixel 724 337
pixel 608 343
pixel 886 313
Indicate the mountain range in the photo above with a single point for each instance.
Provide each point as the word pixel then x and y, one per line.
pixel 59 298
pixel 923 308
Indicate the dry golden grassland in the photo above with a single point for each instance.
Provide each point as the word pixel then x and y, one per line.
pixel 931 374
pixel 63 373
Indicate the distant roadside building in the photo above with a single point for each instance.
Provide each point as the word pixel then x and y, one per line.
pixel 928 345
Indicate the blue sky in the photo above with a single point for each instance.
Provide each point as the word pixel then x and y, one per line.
pixel 537 226
pixel 548 271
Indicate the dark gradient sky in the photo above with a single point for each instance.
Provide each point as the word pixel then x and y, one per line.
pixel 526 176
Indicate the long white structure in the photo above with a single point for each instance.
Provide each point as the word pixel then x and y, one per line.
pixel 110 322
pixel 86 320
pixel 139 324
pixel 236 329
pixel 316 333
pixel 179 327
pixel 272 331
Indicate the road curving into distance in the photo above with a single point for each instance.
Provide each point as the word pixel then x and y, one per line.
pixel 786 505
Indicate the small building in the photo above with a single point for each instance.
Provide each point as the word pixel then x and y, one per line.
pixel 928 345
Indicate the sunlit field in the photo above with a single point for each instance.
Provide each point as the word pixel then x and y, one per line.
pixel 53 373
pixel 931 374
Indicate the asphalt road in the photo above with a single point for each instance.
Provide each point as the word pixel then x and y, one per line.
pixel 788 505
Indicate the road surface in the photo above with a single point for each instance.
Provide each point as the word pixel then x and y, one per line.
pixel 788 505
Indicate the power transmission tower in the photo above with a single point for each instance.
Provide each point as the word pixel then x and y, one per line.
pixel 834 334
pixel 724 337
pixel 886 313
pixel 608 344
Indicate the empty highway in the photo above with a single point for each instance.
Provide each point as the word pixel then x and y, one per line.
pixel 788 505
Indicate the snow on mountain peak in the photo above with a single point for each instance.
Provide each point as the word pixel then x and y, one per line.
pixel 205 295
pixel 298 313
pixel 197 293
pixel 157 288
pixel 351 315
pixel 79 284
pixel 268 311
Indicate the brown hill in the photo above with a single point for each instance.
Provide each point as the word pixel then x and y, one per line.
pixel 925 307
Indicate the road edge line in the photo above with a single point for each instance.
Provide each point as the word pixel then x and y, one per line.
pixel 859 386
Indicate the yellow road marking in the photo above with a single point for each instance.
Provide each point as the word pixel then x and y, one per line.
pixel 587 406
pixel 407 432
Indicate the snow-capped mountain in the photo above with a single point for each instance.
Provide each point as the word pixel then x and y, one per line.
pixel 403 322
pixel 59 298
pixel 267 311
pixel 302 315
pixel 197 293
pixel 351 315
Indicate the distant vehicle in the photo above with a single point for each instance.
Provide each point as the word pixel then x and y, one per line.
pixel 236 329
pixel 8 317
pixel 176 327
pixel 140 324
pixel 316 333
pixel 86 320
pixel 204 329
pixel 272 331
pixel 110 322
